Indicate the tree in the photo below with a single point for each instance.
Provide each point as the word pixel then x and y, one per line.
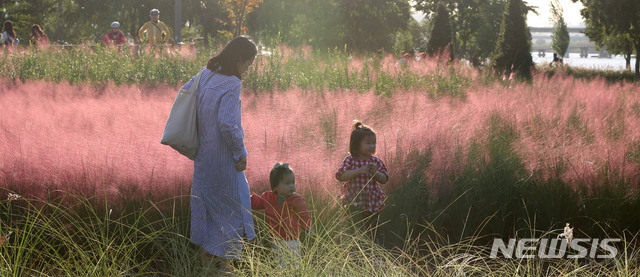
pixel 513 49
pixel 238 11
pixel 207 16
pixel 559 35
pixel 372 24
pixel 298 22
pixel 619 45
pixel 475 24
pixel 611 19
pixel 440 37
pixel 483 41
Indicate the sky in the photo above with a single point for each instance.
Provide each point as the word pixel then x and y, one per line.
pixel 571 13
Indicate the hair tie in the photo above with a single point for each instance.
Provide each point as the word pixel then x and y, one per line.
pixel 278 165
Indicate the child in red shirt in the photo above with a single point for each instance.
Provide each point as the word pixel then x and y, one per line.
pixel 287 214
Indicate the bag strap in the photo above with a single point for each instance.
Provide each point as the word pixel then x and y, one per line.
pixel 156 26
pixel 196 81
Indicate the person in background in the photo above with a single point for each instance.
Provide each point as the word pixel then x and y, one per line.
pixel 8 37
pixel 115 37
pixel 557 61
pixel 38 38
pixel 154 31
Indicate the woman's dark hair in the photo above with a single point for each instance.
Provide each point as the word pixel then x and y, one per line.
pixel 239 49
pixel 359 131
pixel 36 31
pixel 8 27
pixel 277 174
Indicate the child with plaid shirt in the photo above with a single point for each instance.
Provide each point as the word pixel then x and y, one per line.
pixel 361 173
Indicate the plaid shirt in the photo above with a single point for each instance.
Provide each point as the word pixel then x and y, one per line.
pixel 357 192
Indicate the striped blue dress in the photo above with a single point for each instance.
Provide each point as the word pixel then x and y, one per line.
pixel 220 199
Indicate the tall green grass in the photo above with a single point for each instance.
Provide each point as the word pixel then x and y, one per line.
pixel 280 69
pixel 76 236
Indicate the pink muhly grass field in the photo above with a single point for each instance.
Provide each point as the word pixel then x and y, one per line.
pixel 107 140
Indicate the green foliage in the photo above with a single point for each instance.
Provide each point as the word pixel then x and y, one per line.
pixel 99 67
pixel 483 41
pixel 613 20
pixel 617 45
pixel 88 20
pixel 307 70
pixel 298 22
pixel 371 24
pixel 475 24
pixel 440 37
pixel 560 35
pixel 611 76
pixel 405 41
pixel 513 49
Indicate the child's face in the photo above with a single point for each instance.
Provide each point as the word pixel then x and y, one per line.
pixel 287 185
pixel 367 146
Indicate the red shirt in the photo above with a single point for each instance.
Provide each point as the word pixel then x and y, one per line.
pixel 286 221
pixel 363 190
pixel 114 38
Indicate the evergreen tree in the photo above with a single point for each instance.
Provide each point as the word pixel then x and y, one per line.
pixel 560 35
pixel 513 49
pixel 440 37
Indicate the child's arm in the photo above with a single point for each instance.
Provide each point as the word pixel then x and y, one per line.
pixel 257 203
pixel 301 210
pixel 380 171
pixel 350 174
pixel 381 178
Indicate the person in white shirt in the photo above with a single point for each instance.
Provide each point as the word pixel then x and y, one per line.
pixel 8 37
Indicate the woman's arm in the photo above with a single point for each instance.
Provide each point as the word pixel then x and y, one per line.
pixel 229 122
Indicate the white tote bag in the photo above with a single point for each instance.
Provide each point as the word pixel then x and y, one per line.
pixel 181 130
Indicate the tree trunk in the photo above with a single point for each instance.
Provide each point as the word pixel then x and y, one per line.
pixel 637 60
pixel 58 31
pixel 627 60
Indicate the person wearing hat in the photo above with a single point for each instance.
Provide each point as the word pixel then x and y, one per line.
pixel 115 37
pixel 156 31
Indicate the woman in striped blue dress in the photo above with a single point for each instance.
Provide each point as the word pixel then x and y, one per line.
pixel 220 200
